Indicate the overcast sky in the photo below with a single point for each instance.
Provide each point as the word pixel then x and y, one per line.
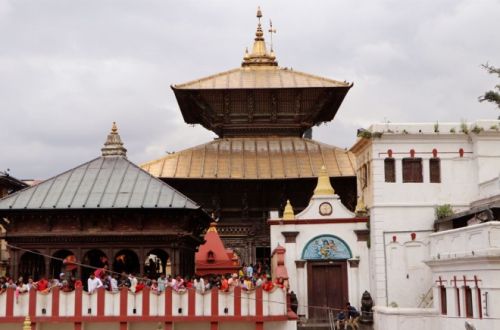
pixel 68 69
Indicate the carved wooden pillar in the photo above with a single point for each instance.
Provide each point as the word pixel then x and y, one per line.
pixel 48 252
pixel 142 258
pixel 14 262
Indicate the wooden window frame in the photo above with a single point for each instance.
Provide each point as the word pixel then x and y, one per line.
pixel 390 165
pixel 412 170
pixel 435 170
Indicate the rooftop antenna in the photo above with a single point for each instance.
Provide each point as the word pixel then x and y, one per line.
pixel 271 31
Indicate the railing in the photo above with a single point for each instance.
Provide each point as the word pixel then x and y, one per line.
pixel 427 299
pixel 169 306
pixel 475 240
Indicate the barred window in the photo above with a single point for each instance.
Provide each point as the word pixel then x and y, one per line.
pixel 444 306
pixel 390 169
pixel 468 301
pixel 412 170
pixel 435 170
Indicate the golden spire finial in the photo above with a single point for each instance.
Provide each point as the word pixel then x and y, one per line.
pixel 360 209
pixel 27 323
pixel 288 213
pixel 213 224
pixel 259 55
pixel 324 187
pixel 114 145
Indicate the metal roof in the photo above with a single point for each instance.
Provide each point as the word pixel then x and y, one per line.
pixel 261 77
pixel 105 182
pixel 254 158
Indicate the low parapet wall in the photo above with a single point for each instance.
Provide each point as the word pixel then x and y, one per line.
pixel 425 318
pixel 169 308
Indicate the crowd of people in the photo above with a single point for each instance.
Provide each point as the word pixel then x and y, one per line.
pixel 248 278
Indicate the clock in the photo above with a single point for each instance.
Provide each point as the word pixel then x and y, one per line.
pixel 325 208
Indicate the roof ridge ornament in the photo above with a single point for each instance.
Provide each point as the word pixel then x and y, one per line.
pixel 288 213
pixel 259 55
pixel 324 187
pixel 114 145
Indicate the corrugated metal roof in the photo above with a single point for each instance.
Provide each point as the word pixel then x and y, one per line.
pixel 254 158
pixel 261 77
pixel 105 182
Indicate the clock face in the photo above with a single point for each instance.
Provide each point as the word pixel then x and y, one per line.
pixel 325 208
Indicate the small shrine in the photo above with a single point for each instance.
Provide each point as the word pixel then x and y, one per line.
pixel 213 258
pixel 322 250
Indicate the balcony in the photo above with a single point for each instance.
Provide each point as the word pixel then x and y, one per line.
pixel 481 240
pixel 212 308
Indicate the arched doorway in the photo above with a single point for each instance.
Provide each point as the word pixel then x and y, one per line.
pixel 56 265
pixel 95 259
pixel 327 286
pixel 155 263
pixel 32 264
pixel 126 261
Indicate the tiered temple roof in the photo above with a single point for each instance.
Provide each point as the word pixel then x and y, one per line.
pixel 254 158
pixel 260 98
pixel 109 181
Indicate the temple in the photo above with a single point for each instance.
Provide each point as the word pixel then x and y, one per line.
pixel 105 212
pixel 260 112
pixel 213 258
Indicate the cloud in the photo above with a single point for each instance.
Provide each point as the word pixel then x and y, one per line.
pixel 69 69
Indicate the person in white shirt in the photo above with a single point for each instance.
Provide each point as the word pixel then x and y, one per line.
pixel 93 283
pixel 114 283
pixel 133 283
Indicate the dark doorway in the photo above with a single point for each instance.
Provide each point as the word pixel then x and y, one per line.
pixel 155 263
pixel 32 264
pixel 56 265
pixel 263 255
pixel 94 259
pixel 126 261
pixel 327 287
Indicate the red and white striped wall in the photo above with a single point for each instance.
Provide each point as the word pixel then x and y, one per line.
pixel 212 310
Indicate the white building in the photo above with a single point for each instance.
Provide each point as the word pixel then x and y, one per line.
pixel 405 173
pixel 326 251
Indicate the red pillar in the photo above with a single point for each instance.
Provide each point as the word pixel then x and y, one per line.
pixel 10 302
pixel 100 301
pixel 215 325
pixel 32 304
pixel 215 302
pixel 237 301
pixel 191 302
pixel 145 301
pixel 55 302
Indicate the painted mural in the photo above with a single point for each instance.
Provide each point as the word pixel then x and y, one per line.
pixel 326 247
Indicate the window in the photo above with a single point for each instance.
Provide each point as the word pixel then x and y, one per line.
pixel 435 170
pixel 390 169
pixel 444 307
pixel 412 170
pixel 468 301
pixel 363 177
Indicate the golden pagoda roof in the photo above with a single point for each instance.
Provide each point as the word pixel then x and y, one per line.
pixel 260 70
pixel 261 77
pixel 254 158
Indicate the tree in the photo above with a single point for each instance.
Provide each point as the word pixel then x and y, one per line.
pixel 492 95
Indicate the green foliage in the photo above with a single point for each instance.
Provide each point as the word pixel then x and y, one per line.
pixel 494 127
pixel 436 127
pixel 443 211
pixel 463 128
pixel 476 129
pixel 492 96
pixel 452 130
pixel 365 134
